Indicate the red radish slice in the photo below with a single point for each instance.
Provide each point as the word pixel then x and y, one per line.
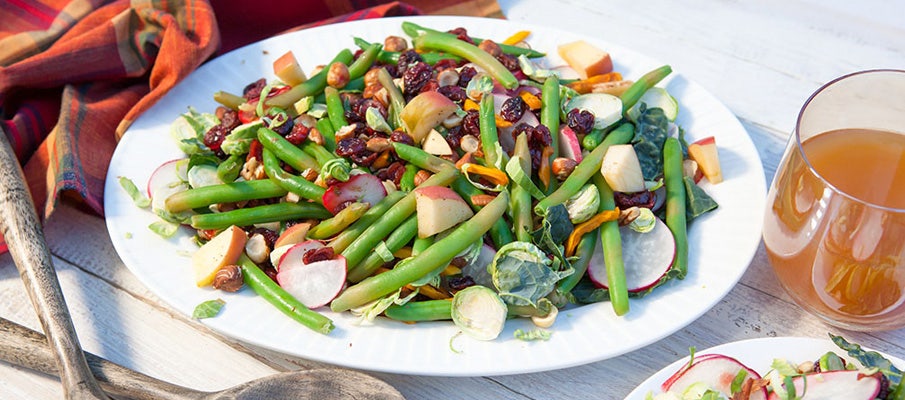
pixel 647 257
pixel 836 385
pixel 314 284
pixel 716 371
pixel 168 179
pixel 364 188
pixel 568 144
pixel 297 251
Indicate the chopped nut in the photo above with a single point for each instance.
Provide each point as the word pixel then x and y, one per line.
pixel 316 136
pixel 378 144
pixel 382 160
pixel 306 120
pixel 562 167
pixel 309 174
pixel 382 95
pixel 344 132
pixel 395 43
pixel 452 120
pixel 370 91
pixel 252 170
pixel 448 77
pixel 228 278
pixel 371 77
pixel 256 248
pixel 805 367
pixel 628 215
pixel 338 75
pixel 421 176
pixel 292 197
pixel 490 47
pixel 468 157
pixel 469 143
pixel 482 199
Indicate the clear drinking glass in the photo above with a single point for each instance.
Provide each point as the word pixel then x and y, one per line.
pixel 834 227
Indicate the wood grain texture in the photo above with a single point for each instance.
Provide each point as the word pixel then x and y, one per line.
pixel 761 58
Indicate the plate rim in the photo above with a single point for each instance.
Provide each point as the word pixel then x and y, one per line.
pixel 747 254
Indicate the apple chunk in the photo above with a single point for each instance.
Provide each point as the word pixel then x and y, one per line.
pixel 439 208
pixel 704 152
pixel 622 170
pixel 289 71
pixel 424 112
pixel 224 249
pixel 585 58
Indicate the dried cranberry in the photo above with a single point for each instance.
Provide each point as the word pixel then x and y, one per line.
pixel 407 59
pixel 415 77
pixel 253 90
pixel 444 64
pixel 457 283
pixel 393 69
pixel 581 121
pixel 392 172
pixel 462 34
pixel 465 75
pixel 643 198
pixel 270 271
pixel 230 119
pixel 319 254
pixel 350 146
pixel 280 123
pixel 255 151
pixel 270 237
pixel 471 124
pixel 213 138
pixel 298 134
pixel 513 109
pixel 365 158
pixel 509 61
pixel 361 107
pixel 541 135
pixel 454 136
pixel 352 116
pixel 402 137
pixel 454 93
pixel 430 86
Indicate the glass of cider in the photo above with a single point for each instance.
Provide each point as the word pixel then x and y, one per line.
pixel 834 227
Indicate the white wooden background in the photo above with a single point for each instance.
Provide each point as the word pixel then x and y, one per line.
pixel 762 58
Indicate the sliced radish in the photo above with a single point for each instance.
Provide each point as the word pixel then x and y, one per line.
pixel 836 385
pixel 714 371
pixel 203 175
pixel 507 140
pixel 168 179
pixel 363 188
pixel 647 257
pixel 568 144
pixel 295 253
pixel 314 284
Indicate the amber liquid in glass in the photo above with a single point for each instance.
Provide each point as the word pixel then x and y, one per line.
pixel 835 254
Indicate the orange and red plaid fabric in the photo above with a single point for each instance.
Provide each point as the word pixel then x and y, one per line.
pixel 75 73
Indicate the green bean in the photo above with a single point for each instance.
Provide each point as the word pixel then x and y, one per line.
pixel 429 260
pixel 450 44
pixel 414 30
pixel 611 240
pixel 500 232
pixel 313 86
pixel 584 170
pixel 365 60
pixel 229 100
pixel 286 151
pixel 520 208
pixel 320 153
pixel 332 226
pixel 294 184
pixel 341 241
pixel 490 140
pixel 402 235
pixel 259 215
pixel 584 251
pixel 265 287
pixel 335 110
pixel 325 127
pixel 365 243
pixel 224 193
pixel 675 203
pixel 229 169
pixel 407 183
pixel 421 243
pixel 634 92
pixel 549 117
pixel 593 139
pixel 397 101
pixel 392 57
pixel 415 311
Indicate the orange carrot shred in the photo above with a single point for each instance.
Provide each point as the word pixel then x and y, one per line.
pixel 587 226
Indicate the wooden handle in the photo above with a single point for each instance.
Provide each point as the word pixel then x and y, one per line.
pixel 27 348
pixel 22 231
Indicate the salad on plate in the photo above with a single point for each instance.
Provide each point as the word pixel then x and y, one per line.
pixel 437 177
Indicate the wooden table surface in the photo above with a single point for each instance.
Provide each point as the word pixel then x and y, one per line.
pixel 761 58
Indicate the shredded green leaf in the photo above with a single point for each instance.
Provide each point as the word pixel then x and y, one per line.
pixel 376 121
pixel 208 309
pixel 521 178
pixel 532 335
pixel 137 196
pixel 871 359
pixel 384 252
pixel 337 168
pixel 736 385
pixel 164 228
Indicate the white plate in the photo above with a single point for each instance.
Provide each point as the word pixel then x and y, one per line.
pixel 757 354
pixel 721 243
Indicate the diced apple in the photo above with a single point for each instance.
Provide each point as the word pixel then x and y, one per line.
pixel 439 208
pixel 585 58
pixel 705 153
pixel 690 169
pixel 294 234
pixel 622 170
pixel 436 144
pixel 424 112
pixel 289 71
pixel 568 144
pixel 224 249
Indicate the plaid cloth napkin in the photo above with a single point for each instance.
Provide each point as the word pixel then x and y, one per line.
pixel 75 73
